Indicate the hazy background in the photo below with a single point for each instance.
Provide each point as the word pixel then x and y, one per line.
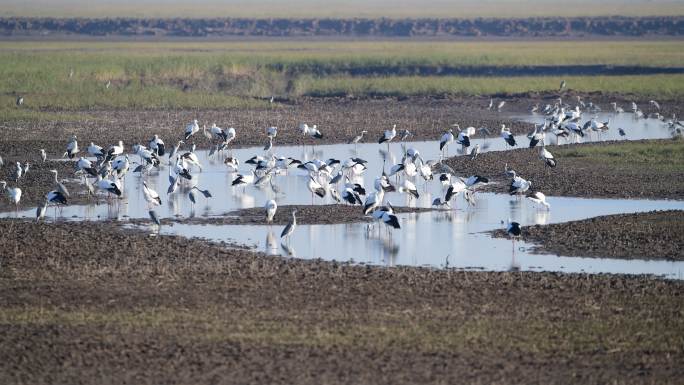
pixel 337 8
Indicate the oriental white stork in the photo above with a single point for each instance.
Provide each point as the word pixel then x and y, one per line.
pixel 271 207
pixel 539 198
pixel 191 129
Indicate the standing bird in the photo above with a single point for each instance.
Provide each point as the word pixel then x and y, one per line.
pixel 405 134
pixel 109 186
pixel 14 194
pixel 507 136
pixel 446 139
pixel 562 85
pixel 654 104
pixel 174 150
pixel 193 196
pixel 315 188
pixel 539 198
pixel 218 132
pixel 409 188
pixel 157 145
pixel 475 151
pixel 95 150
pixel 547 157
pixel 72 148
pixel 388 135
pixel 272 132
pixel 355 140
pixel 20 101
pixel 271 208
pixel 55 197
pixel 18 172
pixel 115 150
pixel 151 196
pixel 514 231
pixel 86 165
pixel 59 186
pixel 289 229
pixel 464 138
pixel 500 105
pixel 244 179
pixel 491 104
pixel 40 211
pixel 314 132
pixel 191 129
pixel 43 155
pixel 519 185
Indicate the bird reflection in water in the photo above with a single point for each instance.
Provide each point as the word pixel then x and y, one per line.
pixel 289 250
pixel 271 244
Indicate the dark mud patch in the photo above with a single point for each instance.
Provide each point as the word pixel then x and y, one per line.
pixel 575 176
pixel 80 302
pixel 306 215
pixel 652 235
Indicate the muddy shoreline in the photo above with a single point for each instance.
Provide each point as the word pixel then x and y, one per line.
pixel 87 301
pixel 338 118
pixel 654 235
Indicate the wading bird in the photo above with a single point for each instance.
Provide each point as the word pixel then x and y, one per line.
pixel 388 135
pixel 290 227
pixel 446 139
pixel 13 193
pixel 59 186
pixel 355 140
pixel 539 198
pixel 507 136
pixel 151 196
pixel 40 211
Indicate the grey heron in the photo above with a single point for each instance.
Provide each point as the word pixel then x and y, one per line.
pixel 290 227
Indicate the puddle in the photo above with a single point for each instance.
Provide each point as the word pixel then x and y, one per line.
pixel 425 239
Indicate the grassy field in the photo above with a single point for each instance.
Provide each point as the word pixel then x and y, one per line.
pixel 662 86
pixel 73 75
pixel 339 8
pixel 661 156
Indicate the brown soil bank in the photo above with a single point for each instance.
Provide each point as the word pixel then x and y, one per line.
pixel 604 169
pixel 653 235
pixel 82 302
pixel 542 27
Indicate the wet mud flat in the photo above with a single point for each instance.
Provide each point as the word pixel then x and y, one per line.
pixel 652 235
pixel 306 215
pixel 92 301
pixel 575 176
pixel 338 118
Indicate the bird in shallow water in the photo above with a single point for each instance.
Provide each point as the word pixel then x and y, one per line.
pixel 290 227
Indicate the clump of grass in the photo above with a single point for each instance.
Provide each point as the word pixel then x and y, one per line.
pixel 661 155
